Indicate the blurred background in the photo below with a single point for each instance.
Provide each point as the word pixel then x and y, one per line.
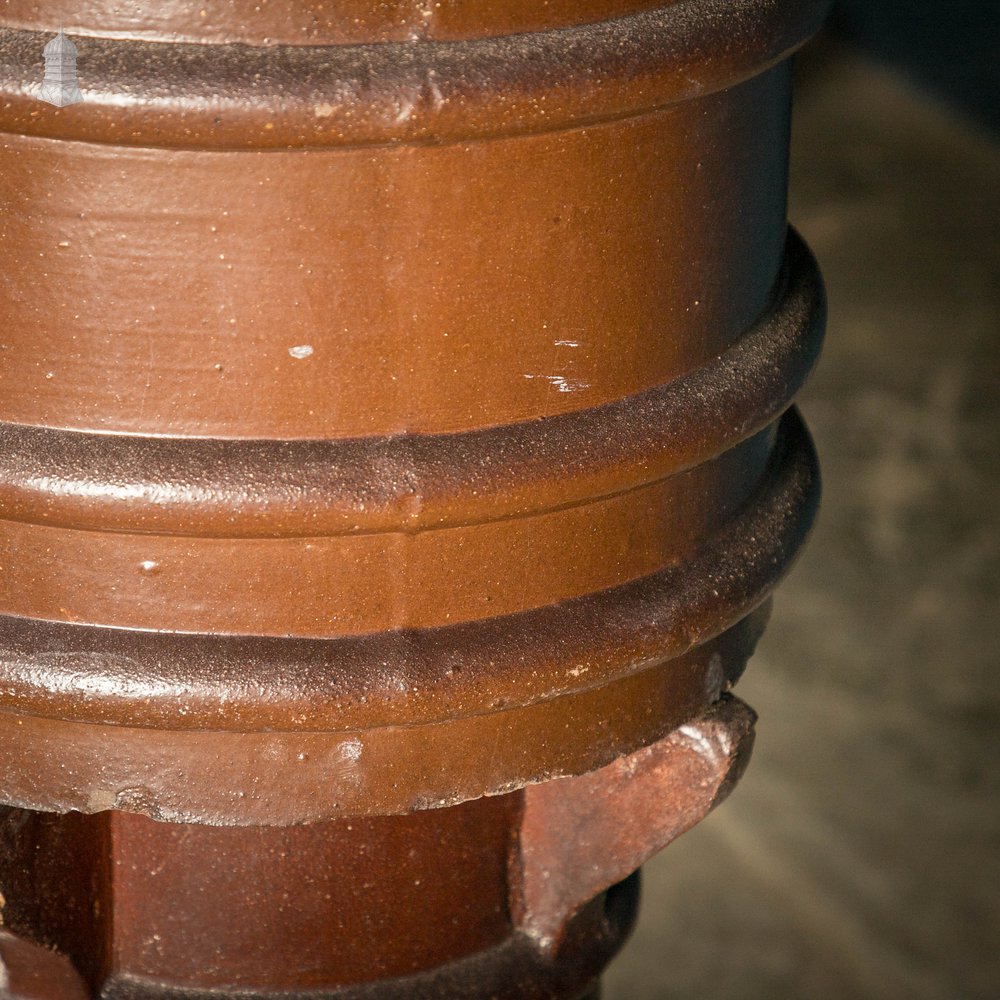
pixel 860 856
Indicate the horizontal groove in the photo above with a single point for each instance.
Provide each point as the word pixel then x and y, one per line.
pixel 417 676
pixel 239 96
pixel 272 489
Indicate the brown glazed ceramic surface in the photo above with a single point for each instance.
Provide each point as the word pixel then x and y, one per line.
pixel 427 305
pixel 313 22
pixel 397 455
pixel 275 96
pixel 618 817
pixel 362 462
pixel 32 972
pixel 490 898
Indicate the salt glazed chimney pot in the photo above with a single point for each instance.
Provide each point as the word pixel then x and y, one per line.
pixel 397 456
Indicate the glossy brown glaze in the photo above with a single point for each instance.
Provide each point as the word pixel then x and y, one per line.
pixel 511 669
pixel 273 97
pixel 623 813
pixel 307 586
pixel 313 22
pixel 396 460
pixel 187 904
pixel 488 898
pixel 425 305
pixel 31 972
pixel 262 488
pixel 434 884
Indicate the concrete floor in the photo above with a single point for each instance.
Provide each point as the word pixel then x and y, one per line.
pixel 860 857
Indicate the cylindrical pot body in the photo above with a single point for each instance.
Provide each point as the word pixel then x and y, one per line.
pixel 394 436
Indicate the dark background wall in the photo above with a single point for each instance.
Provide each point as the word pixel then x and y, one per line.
pixel 951 46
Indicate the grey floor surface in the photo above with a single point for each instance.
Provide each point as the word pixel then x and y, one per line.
pixel 860 857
